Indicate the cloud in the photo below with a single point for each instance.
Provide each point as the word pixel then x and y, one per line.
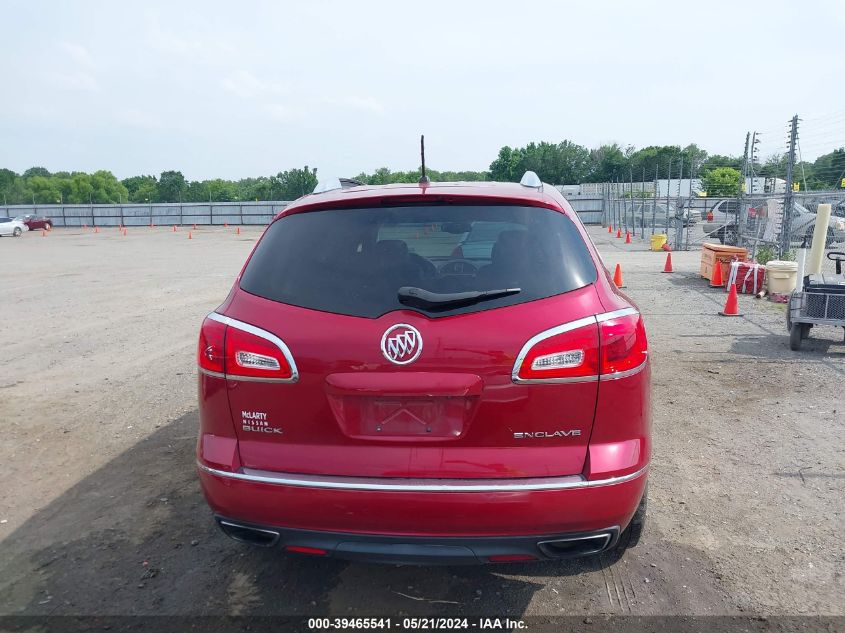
pixel 73 81
pixel 284 113
pixel 367 104
pixel 139 119
pixel 78 54
pixel 246 85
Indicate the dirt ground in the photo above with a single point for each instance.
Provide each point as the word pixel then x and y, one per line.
pixel 101 513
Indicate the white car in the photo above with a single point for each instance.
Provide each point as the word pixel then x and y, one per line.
pixel 10 226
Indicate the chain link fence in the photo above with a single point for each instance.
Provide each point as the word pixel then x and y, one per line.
pixel 756 222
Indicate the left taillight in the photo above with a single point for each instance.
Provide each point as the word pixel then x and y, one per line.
pixel 252 356
pixel 211 347
pixel 234 349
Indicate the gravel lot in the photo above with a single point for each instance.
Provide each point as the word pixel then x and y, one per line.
pixel 102 514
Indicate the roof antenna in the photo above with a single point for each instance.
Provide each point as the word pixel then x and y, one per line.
pixel 423 179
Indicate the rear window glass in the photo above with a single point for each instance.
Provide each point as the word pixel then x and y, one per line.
pixel 354 261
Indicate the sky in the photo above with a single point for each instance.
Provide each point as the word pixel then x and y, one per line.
pixel 247 88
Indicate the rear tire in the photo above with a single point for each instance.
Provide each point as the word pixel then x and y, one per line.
pixel 632 534
pixel 796 334
pixel 17 232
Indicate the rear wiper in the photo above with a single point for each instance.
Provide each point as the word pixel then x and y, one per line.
pixel 410 295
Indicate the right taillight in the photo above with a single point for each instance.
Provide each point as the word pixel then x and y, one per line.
pixel 623 344
pixel 585 350
pixel 569 353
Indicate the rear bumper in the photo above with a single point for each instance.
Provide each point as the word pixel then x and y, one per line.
pixel 534 509
pixel 422 550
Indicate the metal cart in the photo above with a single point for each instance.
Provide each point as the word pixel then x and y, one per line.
pixel 820 302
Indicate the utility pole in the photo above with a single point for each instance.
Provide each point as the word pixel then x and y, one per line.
pixel 631 193
pixel 679 224
pixel 740 212
pixel 656 194
pixel 642 206
pixel 668 186
pixel 786 221
pixel 753 159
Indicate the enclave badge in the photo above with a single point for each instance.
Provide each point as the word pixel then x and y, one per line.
pixel 567 433
pixel 401 344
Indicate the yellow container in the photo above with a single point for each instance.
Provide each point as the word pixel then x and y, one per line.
pixel 783 276
pixel 658 240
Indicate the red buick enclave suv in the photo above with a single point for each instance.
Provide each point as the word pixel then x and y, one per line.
pixel 432 373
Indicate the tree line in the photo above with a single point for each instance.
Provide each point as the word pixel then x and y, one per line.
pixel 557 163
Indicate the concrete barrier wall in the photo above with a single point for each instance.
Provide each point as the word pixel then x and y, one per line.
pixel 590 211
pixel 133 214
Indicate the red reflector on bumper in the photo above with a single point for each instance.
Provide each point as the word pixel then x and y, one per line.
pixel 301 549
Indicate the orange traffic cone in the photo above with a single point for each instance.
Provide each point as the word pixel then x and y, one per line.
pixel 617 277
pixel 96 229
pixel 238 232
pixel 226 225
pixel 668 267
pixel 731 305
pixel 619 233
pixel 627 237
pixel 43 233
pixel 190 235
pixel 84 227
pixel 124 232
pixel 195 227
pixel 174 228
pixel 610 228
pixel 716 280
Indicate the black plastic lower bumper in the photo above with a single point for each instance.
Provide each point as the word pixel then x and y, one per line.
pixel 423 550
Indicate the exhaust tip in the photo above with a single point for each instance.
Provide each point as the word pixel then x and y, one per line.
pixel 247 534
pixel 577 545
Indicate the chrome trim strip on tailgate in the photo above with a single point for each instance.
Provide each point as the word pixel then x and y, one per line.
pixel 418 485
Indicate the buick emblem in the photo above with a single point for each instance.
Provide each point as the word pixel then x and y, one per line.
pixel 401 344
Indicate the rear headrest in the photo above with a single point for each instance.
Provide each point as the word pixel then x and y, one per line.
pixel 510 247
pixel 391 249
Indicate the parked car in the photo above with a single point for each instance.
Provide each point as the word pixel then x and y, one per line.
pixel 10 226
pixel 646 213
pixel 34 222
pixel 724 223
pixel 366 392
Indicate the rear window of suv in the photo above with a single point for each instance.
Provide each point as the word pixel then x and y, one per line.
pixel 354 261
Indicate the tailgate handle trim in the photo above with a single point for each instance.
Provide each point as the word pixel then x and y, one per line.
pixel 409 384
